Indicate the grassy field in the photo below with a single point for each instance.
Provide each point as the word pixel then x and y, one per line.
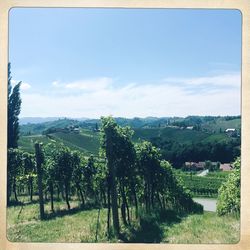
pixel 206 228
pixel 80 226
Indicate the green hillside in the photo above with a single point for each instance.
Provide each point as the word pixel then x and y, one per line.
pixel 177 143
pixel 222 123
pixel 39 128
pixel 184 136
pixel 26 143
pixel 86 141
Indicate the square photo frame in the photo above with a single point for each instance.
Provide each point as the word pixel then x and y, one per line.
pixel 242 6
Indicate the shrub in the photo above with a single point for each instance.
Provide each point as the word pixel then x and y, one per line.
pixel 229 193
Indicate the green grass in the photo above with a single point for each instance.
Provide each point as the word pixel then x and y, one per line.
pixel 204 228
pixel 72 227
pixel 80 226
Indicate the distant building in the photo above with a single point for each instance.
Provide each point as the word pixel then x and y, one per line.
pixel 226 167
pixel 194 166
pixel 231 132
pixel 190 127
pixel 76 130
pixel 201 165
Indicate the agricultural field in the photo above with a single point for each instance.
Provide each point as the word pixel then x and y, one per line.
pixel 86 141
pixel 203 186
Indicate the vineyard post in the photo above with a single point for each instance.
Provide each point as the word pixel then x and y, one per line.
pixel 39 161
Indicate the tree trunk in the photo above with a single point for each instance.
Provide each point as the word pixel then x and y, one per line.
pixel 163 202
pixel 81 194
pixel 58 193
pixel 31 188
pixel 51 189
pixel 104 198
pixel 135 199
pixel 8 192
pixel 114 204
pixel 14 189
pixel 62 190
pixel 39 177
pixel 46 195
pixel 108 216
pixel 67 195
pixel 159 200
pixel 123 206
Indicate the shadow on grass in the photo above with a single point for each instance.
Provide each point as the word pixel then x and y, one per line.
pixel 64 212
pixel 150 227
pixel 22 203
pixel 61 213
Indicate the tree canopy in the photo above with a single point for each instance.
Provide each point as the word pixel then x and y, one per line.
pixel 14 108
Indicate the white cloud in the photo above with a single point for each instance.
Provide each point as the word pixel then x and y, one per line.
pixel 25 86
pixel 55 83
pixel 102 96
pixel 226 80
pixel 94 84
pixel 85 85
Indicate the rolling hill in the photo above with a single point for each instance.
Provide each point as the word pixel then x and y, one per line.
pixel 87 140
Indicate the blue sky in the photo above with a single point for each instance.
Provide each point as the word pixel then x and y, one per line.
pixel 126 62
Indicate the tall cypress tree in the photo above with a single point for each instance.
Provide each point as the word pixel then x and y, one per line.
pixel 14 108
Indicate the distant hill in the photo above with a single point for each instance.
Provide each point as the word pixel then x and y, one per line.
pixel 86 141
pixel 35 120
pixel 178 138
pixel 39 128
pixel 163 132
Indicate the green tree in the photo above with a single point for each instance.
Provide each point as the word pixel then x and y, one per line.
pixel 39 161
pixel 78 175
pixel 149 167
pixel 64 162
pixel 14 169
pixel 109 143
pixel 14 108
pixel 29 171
pixel 51 178
pixel 229 192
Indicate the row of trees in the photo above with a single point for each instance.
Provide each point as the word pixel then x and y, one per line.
pixel 127 178
pixel 178 153
pixel 138 174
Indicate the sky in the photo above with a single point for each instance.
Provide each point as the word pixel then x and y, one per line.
pixel 83 62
